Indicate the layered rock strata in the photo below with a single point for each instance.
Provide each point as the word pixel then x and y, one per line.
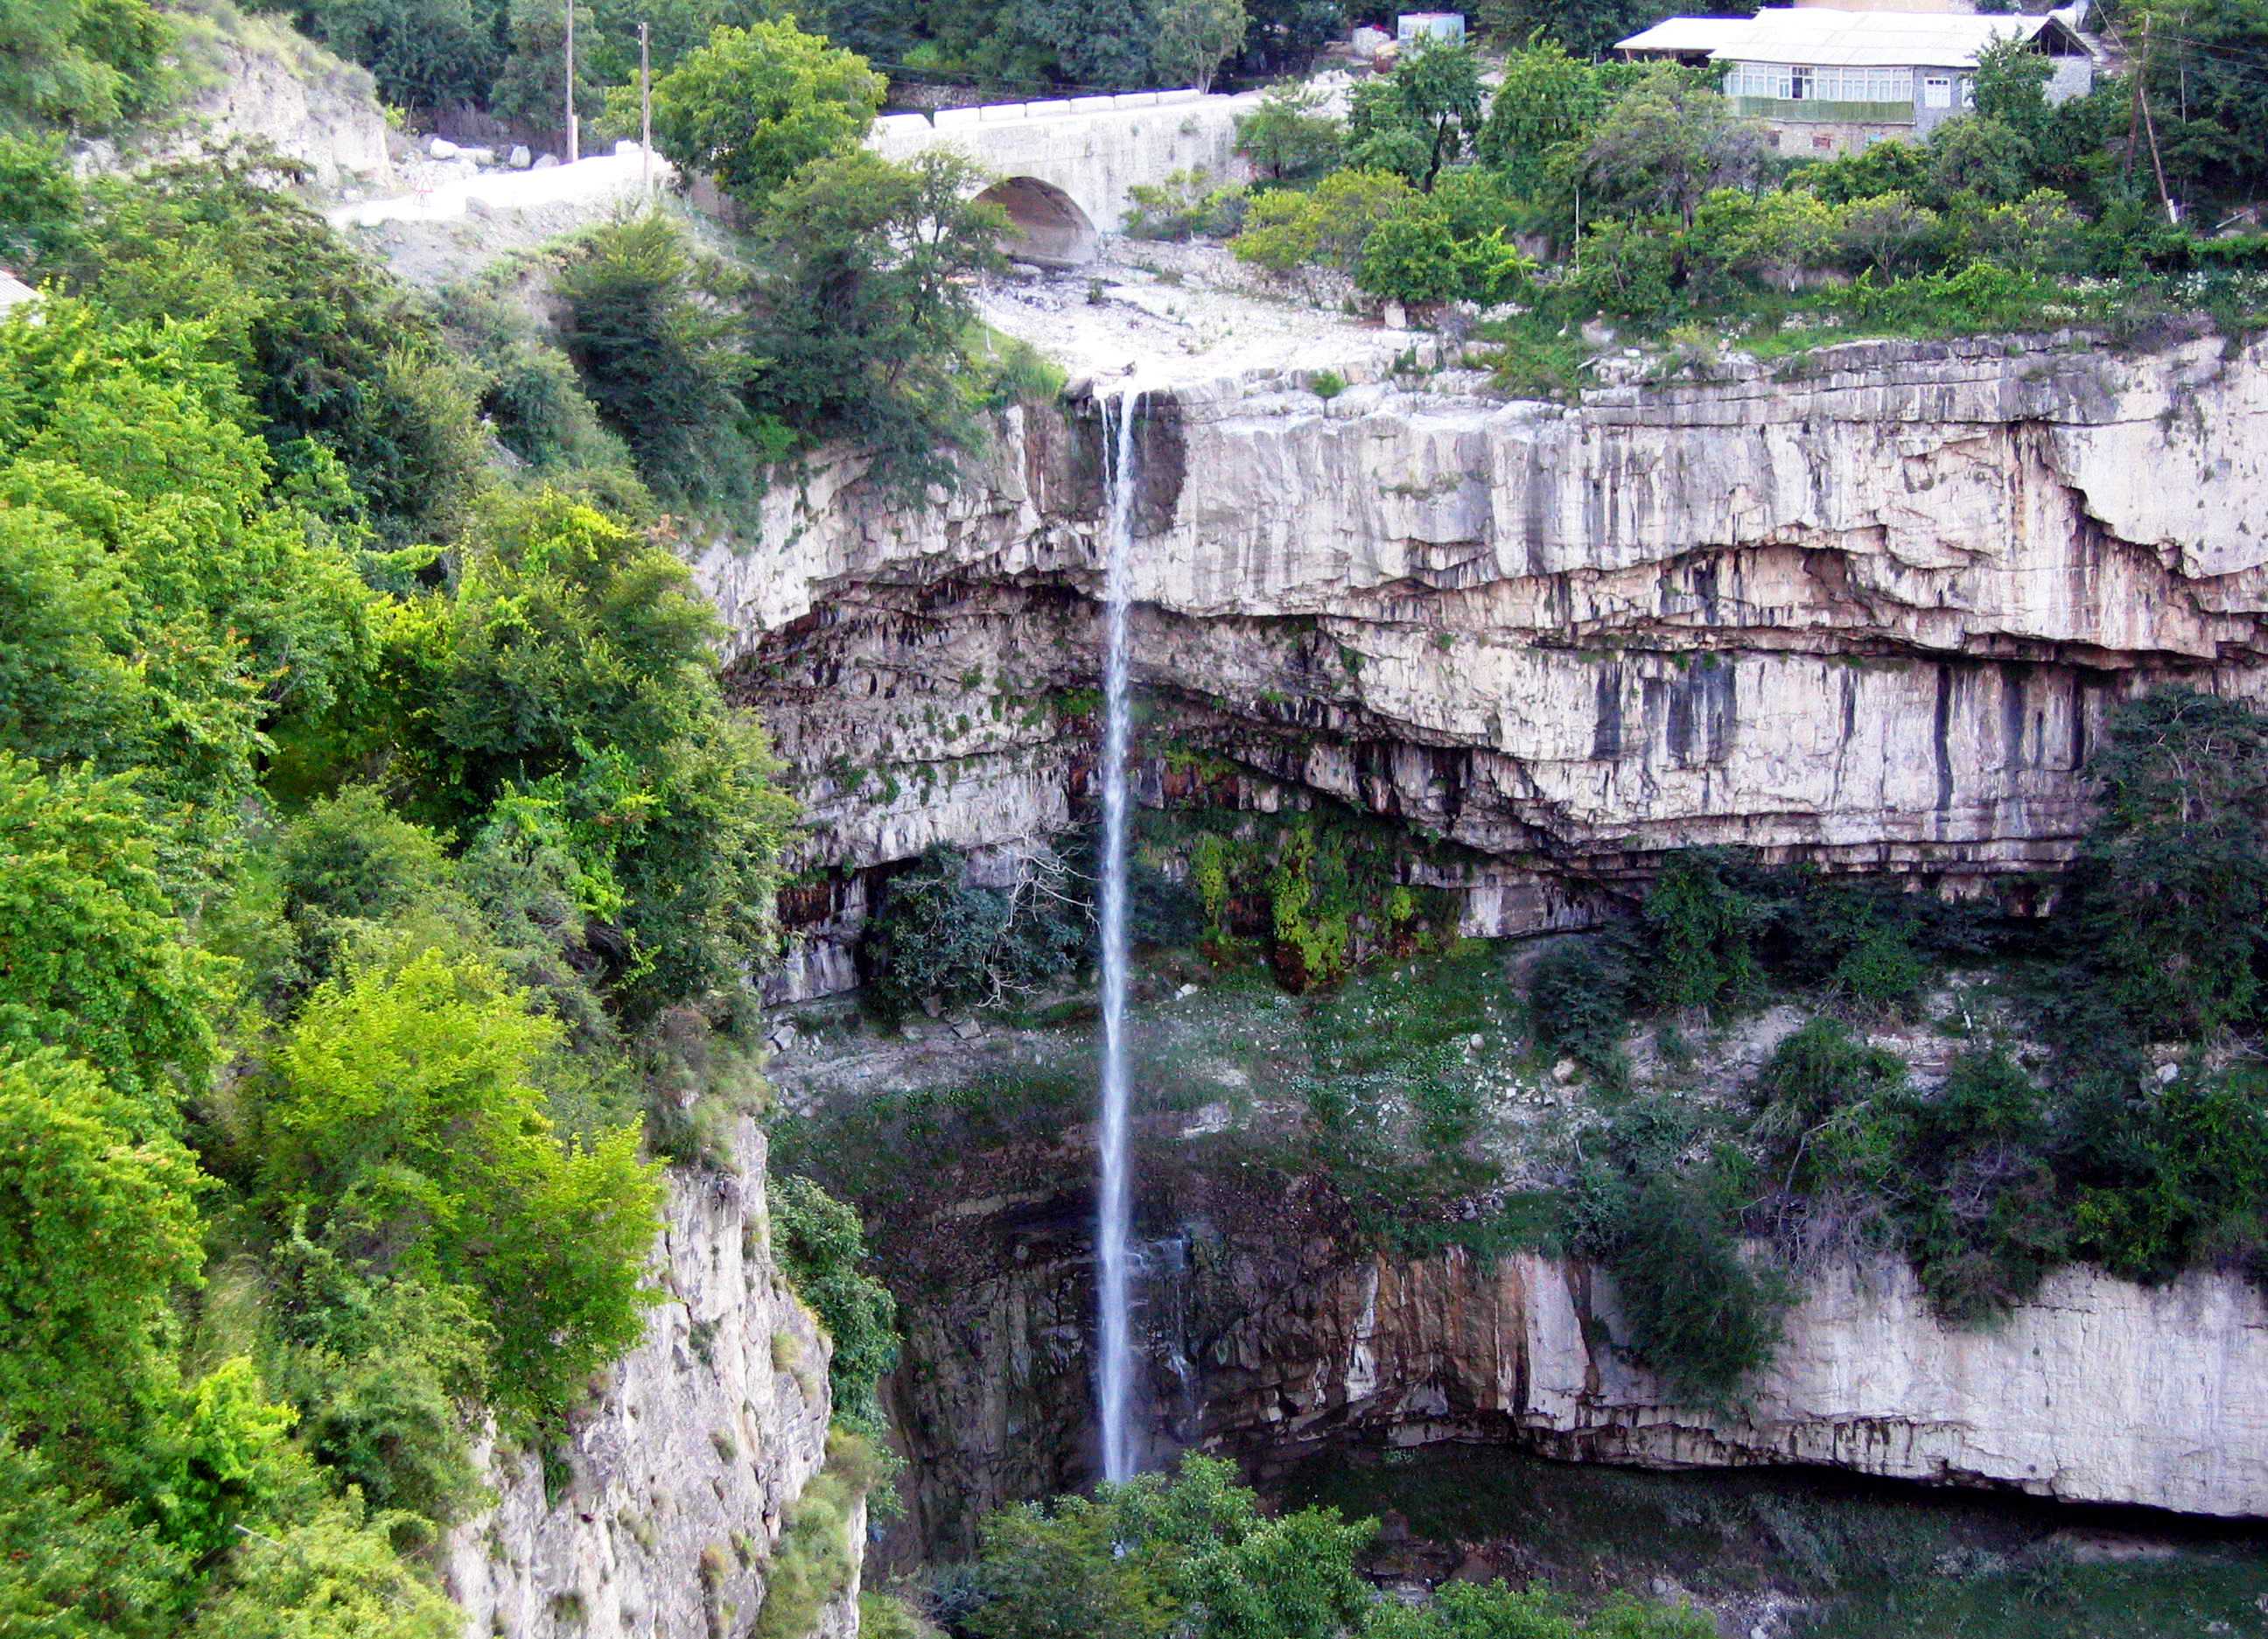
pixel 677 1479
pixel 1271 1347
pixel 1869 607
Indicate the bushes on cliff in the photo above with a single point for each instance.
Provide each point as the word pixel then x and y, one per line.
pixel 1192 1554
pixel 820 1246
pixel 2170 897
pixel 1665 1222
pixel 941 940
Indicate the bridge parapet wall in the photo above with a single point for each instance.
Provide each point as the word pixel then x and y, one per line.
pixel 1093 151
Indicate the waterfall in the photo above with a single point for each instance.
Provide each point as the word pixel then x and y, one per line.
pixel 1115 1213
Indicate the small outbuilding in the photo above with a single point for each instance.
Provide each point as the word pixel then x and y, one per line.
pixel 1826 80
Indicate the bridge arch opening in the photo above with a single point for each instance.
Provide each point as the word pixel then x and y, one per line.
pixel 1045 225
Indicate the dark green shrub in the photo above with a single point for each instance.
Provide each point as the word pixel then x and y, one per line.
pixel 1701 931
pixel 939 940
pixel 1578 1002
pixel 1701 1316
pixel 2170 899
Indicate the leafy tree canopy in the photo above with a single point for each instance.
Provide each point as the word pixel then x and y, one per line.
pixel 757 104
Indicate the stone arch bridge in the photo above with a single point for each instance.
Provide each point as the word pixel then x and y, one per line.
pixel 1066 168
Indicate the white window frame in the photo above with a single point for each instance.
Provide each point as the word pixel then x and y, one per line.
pixel 1937 91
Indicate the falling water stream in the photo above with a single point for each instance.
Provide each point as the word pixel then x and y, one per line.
pixel 1115 1215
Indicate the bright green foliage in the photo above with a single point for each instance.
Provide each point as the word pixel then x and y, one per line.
pixel 41 203
pixel 1329 226
pixel 654 343
pixel 378 1367
pixel 1702 931
pixel 154 610
pixel 1976 155
pixel 1310 911
pixel 937 939
pixel 405 1123
pixel 334 1575
pixel 1419 117
pixel 864 305
pixel 756 105
pixel 1462 1610
pixel 77 1566
pixel 1192 1555
pixel 1545 99
pixel 220 1456
pixel 1289 137
pixel 568 678
pixel 93 959
pixel 1418 256
pixel 820 1246
pixel 348 865
pixel 330 351
pixel 2172 893
pixel 82 64
pixel 816 1557
pixel 97 1228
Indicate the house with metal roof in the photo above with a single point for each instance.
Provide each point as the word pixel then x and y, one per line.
pixel 1825 80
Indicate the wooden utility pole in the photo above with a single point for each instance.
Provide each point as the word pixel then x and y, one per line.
pixel 645 115
pixel 574 133
pixel 2150 127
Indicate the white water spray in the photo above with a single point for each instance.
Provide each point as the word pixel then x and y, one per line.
pixel 1115 1215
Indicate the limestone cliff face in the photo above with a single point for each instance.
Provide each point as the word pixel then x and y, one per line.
pixel 1268 1347
pixel 678 1475
pixel 1870 611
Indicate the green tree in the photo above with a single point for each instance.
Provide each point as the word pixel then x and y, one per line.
pixel 1663 145
pixel 78 1564
pixel 819 1245
pixel 1975 154
pixel 82 64
pixel 652 334
pixel 2172 881
pixel 1545 99
pixel 1328 227
pixel 757 104
pixel 403 1120
pixel 531 88
pixel 1191 1555
pixel 98 1228
pixel 93 958
pixel 1419 117
pixel 865 304
pixel 2208 92
pixel 567 680
pixel 423 54
pixel 1289 137
pixel 1195 37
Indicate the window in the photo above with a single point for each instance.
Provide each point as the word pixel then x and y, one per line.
pixel 1968 93
pixel 1801 79
pixel 1937 91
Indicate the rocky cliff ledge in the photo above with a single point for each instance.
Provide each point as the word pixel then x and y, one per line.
pixel 1866 607
pixel 677 1477
pixel 1267 1347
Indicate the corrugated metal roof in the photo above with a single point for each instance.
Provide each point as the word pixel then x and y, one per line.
pixel 1823 38
pixel 13 290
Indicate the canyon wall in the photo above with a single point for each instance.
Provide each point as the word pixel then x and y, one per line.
pixel 1867 608
pixel 677 1478
pixel 1270 1347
